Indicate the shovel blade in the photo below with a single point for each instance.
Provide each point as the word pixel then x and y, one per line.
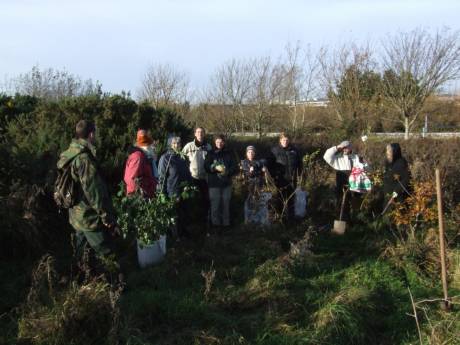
pixel 339 227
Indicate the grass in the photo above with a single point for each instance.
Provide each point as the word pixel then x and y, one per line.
pixel 342 292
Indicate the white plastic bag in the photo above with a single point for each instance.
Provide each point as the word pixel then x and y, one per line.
pixel 256 209
pixel 150 254
pixel 300 206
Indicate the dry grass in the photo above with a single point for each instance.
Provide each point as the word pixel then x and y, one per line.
pixel 75 314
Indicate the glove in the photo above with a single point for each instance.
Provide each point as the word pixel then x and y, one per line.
pixel 114 229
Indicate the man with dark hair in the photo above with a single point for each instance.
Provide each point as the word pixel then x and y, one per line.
pixel 285 165
pixel 84 128
pixel 92 214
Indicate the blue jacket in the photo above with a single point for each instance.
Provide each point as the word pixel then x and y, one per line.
pixel 174 172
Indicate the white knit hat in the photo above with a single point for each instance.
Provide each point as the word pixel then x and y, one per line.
pixel 345 143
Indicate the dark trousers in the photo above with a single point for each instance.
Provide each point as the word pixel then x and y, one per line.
pixel 100 241
pixel 182 218
pixel 204 202
pixel 352 201
pixel 96 250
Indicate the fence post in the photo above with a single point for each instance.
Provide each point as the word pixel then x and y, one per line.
pixel 446 303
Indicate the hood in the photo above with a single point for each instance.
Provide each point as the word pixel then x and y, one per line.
pixel 147 153
pixel 171 151
pixel 76 147
pixel 134 148
pixel 396 151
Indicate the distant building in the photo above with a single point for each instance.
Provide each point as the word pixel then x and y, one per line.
pixel 314 102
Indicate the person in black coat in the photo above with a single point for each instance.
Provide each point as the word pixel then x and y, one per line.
pixel 397 176
pixel 285 165
pixel 221 167
pixel 253 171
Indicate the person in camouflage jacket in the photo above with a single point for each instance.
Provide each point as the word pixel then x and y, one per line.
pixel 92 215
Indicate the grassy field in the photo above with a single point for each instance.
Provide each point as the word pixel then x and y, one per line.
pixel 247 286
pixel 287 284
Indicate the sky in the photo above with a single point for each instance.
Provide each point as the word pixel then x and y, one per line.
pixel 114 42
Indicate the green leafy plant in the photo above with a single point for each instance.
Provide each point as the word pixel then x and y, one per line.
pixel 148 219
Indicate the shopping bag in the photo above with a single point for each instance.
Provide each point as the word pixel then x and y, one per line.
pixel 359 181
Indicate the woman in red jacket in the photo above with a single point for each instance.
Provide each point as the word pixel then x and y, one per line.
pixel 139 166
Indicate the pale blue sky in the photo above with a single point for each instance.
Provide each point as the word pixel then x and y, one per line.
pixel 115 41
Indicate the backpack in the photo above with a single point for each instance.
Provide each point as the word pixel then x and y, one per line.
pixel 65 187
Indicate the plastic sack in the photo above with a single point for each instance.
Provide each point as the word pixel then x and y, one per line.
pixel 150 254
pixel 256 209
pixel 359 181
pixel 300 205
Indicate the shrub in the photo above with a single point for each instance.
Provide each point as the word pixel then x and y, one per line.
pixel 147 219
pixel 78 314
pixel 32 134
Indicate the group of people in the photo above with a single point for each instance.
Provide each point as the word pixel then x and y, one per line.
pixel 210 168
pixel 396 175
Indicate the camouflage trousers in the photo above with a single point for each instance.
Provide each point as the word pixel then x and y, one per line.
pixel 96 253
pixel 100 241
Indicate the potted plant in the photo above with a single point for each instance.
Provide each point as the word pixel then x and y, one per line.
pixel 149 220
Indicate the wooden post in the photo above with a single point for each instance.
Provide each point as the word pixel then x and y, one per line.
pixel 442 247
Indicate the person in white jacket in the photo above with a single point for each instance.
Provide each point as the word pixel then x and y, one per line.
pixel 342 159
pixel 196 152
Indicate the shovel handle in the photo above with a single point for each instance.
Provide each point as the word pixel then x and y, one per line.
pixel 342 206
pixel 387 206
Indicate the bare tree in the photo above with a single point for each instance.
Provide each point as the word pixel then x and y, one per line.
pixel 7 85
pixel 349 79
pixel 416 64
pixel 52 84
pixel 164 85
pixel 256 89
pixel 230 87
pixel 266 88
pixel 299 71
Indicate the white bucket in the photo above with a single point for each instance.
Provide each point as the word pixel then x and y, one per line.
pixel 152 253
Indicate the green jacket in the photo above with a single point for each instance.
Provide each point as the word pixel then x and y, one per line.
pixel 93 206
